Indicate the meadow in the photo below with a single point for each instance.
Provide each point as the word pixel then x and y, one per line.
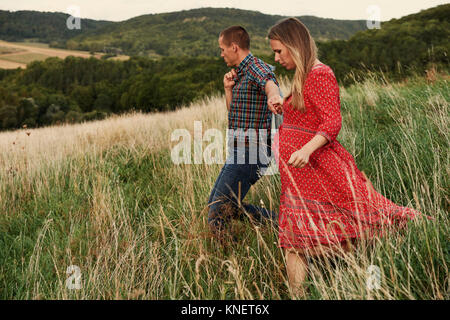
pixel 18 54
pixel 106 197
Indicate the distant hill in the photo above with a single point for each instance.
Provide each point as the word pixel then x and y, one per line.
pixel 41 26
pixel 413 43
pixel 192 32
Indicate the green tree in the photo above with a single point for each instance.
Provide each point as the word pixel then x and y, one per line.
pixel 8 117
pixel 27 112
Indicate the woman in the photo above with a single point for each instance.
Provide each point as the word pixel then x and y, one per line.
pixel 326 202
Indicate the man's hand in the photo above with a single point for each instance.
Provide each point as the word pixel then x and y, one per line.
pixel 228 79
pixel 275 104
pixel 299 158
pixel 228 84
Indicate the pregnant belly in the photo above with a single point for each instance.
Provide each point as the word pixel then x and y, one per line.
pixel 293 138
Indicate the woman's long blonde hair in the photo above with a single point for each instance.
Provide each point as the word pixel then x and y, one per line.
pixel 296 37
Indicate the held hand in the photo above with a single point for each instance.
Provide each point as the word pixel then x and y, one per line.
pixel 275 104
pixel 228 79
pixel 299 159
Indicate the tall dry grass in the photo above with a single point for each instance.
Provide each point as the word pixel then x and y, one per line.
pixel 106 197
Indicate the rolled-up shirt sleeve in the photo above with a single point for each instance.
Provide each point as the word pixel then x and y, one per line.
pixel 323 92
pixel 261 74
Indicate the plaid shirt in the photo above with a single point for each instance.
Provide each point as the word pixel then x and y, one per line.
pixel 248 107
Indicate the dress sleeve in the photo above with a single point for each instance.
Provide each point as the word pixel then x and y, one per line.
pixel 324 95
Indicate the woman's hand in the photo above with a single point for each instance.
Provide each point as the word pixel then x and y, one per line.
pixel 299 158
pixel 275 104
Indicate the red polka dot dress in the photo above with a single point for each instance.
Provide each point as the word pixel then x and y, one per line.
pixel 327 200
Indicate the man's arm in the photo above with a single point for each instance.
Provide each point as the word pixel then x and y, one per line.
pixel 274 100
pixel 271 89
pixel 228 97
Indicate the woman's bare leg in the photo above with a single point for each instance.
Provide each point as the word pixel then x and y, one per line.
pixel 297 269
pixel 297 265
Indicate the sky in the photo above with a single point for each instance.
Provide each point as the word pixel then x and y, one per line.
pixel 119 10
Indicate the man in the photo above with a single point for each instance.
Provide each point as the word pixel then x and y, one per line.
pixel 247 89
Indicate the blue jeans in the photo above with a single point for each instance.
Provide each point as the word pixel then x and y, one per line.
pixel 230 188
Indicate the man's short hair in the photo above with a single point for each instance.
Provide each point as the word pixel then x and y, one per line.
pixel 236 34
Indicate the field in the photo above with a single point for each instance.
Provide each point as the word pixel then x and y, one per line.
pixel 106 197
pixel 18 55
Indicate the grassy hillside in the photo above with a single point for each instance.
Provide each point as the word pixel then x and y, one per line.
pixel 19 54
pixel 106 197
pixel 194 32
